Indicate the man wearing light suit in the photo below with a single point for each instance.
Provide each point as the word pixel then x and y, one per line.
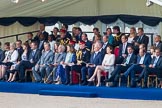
pixel 143 60
pixel 43 65
pixel 58 58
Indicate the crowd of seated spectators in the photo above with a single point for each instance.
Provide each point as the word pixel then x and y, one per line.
pixel 64 58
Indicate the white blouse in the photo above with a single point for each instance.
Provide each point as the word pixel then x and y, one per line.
pixel 130 39
pixel 109 59
pixel 52 45
pixel 14 56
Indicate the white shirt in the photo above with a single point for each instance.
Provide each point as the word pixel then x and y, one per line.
pixel 104 45
pixel 14 56
pixel 142 59
pixel 156 60
pixel 52 45
pixel 124 47
pixel 128 58
pixel 130 39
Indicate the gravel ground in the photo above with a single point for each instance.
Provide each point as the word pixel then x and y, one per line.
pixel 10 100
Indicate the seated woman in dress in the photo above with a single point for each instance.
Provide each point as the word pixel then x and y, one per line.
pixel 25 56
pixel 10 59
pixel 107 65
pixel 70 59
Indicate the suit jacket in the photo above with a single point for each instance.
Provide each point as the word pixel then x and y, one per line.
pixel 147 59
pixel 158 64
pixel 2 55
pixel 36 38
pixel 97 59
pixel 121 48
pixel 89 44
pixel 46 58
pixel 36 56
pixel 41 47
pixel 158 46
pixel 133 60
pixel 83 55
pixel 59 57
pixel 20 51
pixel 103 51
pixel 144 40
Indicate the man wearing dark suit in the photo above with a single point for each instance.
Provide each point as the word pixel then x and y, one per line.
pixel 155 67
pixel 105 44
pixel 83 57
pixel 87 42
pixel 34 56
pixel 123 49
pixel 58 58
pixel 19 49
pixel 41 42
pixel 143 60
pixel 141 39
pixel 127 62
pixel 158 43
pixel 90 67
pixel 78 34
pixel 43 65
pixel 42 31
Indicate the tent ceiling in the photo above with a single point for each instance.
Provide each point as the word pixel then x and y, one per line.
pixel 32 7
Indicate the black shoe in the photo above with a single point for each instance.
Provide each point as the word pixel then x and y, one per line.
pixel 84 83
pixel 91 83
pixel 133 85
pixel 113 85
pixel 66 83
pixel 144 86
pixel 21 81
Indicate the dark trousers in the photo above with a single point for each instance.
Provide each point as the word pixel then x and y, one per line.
pixel 118 69
pixel 147 71
pixel 22 67
pixel 85 70
pixel 68 69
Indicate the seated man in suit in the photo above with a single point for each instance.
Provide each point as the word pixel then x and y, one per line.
pixel 41 31
pixel 58 58
pixel 140 39
pixel 127 62
pixel 83 56
pixel 19 49
pixel 34 57
pixel 123 49
pixel 43 65
pixel 155 67
pixel 143 60
pixel 94 61
pixel 158 43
